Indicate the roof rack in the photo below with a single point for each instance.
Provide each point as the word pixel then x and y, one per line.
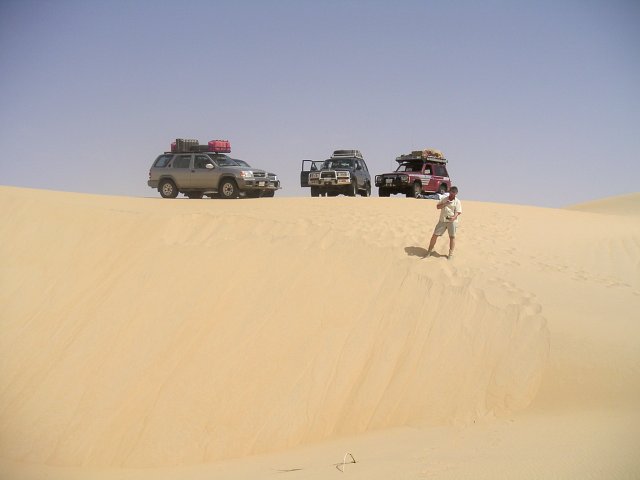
pixel 426 154
pixel 347 154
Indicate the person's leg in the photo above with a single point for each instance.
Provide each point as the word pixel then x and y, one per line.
pixel 441 227
pixel 452 238
pixel 432 243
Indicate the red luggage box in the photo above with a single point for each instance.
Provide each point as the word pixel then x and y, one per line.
pixel 220 146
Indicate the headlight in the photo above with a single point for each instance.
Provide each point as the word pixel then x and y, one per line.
pixel 246 174
pixel 314 175
pixel 343 174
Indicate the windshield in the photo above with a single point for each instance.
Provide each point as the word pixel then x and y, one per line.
pixel 223 160
pixel 242 163
pixel 338 163
pixel 409 167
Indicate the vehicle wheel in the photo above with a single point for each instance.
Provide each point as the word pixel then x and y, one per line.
pixel 367 190
pixel 228 189
pixel 416 190
pixel 252 194
pixel 383 192
pixel 443 189
pixel 195 195
pixel 269 193
pixel 168 189
pixel 353 192
pixel 315 192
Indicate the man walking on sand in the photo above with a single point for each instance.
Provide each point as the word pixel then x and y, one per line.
pixel 450 209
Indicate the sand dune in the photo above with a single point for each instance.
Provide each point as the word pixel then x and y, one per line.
pixel 148 333
pixel 624 205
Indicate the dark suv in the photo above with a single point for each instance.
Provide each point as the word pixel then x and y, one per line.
pixel 417 173
pixel 345 172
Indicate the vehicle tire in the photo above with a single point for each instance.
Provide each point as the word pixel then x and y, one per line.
pixel 331 194
pixel 367 190
pixel 252 194
pixel 383 192
pixel 168 189
pixel 416 190
pixel 195 195
pixel 269 193
pixel 443 189
pixel 315 192
pixel 353 191
pixel 228 189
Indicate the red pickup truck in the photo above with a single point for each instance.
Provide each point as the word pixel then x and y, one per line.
pixel 417 173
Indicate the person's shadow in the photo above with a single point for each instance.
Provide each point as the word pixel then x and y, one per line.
pixel 420 252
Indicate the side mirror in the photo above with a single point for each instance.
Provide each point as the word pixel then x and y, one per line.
pixel 209 166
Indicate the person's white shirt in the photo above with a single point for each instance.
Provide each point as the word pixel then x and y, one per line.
pixel 449 209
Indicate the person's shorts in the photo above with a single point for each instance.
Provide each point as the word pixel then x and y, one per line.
pixel 442 227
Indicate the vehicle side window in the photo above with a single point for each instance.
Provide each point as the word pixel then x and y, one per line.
pixel 364 165
pixel 182 161
pixel 441 171
pixel 202 161
pixel 162 161
pixel 427 170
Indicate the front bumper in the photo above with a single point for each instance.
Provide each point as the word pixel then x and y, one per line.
pixel 330 182
pixel 257 184
pixel 395 181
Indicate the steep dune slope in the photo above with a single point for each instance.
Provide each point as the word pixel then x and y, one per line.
pixel 147 332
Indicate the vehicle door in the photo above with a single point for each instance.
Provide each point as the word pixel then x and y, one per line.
pixel 430 181
pixel 366 176
pixel 440 174
pixel 359 172
pixel 307 166
pixel 204 173
pixel 181 170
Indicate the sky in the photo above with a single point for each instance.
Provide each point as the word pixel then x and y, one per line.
pixel 532 102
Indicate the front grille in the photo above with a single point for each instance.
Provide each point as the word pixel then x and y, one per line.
pixel 395 180
pixel 259 174
pixel 328 175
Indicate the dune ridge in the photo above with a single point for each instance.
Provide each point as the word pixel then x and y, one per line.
pixel 623 205
pixel 141 332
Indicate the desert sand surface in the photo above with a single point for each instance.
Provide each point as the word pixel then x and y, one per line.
pixel 267 338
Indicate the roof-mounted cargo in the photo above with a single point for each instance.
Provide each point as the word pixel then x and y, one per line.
pixel 427 154
pixel 186 145
pixel 347 154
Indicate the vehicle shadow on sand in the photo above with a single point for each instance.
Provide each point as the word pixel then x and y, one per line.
pixel 421 252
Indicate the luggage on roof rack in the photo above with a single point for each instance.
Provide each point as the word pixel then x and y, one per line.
pixel 428 153
pixel 187 145
pixel 183 145
pixel 200 148
pixel 220 146
pixel 347 153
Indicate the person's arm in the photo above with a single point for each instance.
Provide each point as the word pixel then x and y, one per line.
pixel 442 203
pixel 458 212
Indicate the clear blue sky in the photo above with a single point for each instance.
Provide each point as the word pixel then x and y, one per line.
pixel 533 102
